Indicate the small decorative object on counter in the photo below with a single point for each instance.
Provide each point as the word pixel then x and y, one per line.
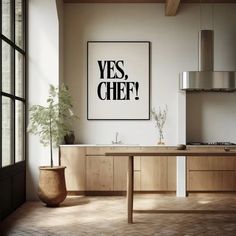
pixel 69 138
pixel 160 118
pixel 181 147
pixel 227 149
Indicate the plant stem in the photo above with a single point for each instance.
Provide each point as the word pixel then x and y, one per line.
pixel 50 131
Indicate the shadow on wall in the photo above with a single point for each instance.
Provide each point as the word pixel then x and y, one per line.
pixel 210 117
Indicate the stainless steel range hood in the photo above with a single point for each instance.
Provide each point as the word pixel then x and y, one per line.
pixel 206 79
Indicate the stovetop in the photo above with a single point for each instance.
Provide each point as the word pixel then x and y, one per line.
pixel 212 143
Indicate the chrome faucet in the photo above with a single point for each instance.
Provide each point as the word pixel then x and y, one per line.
pixel 116 141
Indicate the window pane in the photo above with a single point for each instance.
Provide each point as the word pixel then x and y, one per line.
pixel 6 68
pixel 6 131
pixel 19 38
pixel 6 18
pixel 19 79
pixel 19 131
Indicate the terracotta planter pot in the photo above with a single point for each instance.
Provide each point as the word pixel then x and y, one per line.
pixel 52 186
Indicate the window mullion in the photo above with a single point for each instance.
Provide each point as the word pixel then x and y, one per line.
pixel 25 18
pixel 13 81
pixel 12 44
pixel 24 23
pixel 1 88
pixel 13 104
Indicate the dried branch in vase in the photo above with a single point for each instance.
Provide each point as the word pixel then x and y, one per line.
pixel 160 117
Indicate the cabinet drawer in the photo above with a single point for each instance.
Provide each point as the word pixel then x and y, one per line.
pixel 211 163
pixel 98 150
pixel 126 149
pixel 103 150
pixel 211 180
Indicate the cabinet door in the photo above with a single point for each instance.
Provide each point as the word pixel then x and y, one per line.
pixel 154 173
pixel 74 160
pixel 99 173
pixel 120 173
pixel 172 173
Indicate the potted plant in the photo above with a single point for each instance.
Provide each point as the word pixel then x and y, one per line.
pixel 52 122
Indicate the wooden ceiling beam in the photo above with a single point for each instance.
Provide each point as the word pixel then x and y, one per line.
pixel 171 7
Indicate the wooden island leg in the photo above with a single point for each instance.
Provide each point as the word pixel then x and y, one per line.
pixel 130 188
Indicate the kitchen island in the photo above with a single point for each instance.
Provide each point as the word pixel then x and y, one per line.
pixel 172 152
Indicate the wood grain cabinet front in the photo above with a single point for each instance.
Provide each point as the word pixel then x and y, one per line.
pixel 88 169
pixel 154 173
pixel 211 173
pixel 99 173
pixel 74 160
pixel 158 173
pixel 120 173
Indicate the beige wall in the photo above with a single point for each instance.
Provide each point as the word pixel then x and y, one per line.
pixel 43 69
pixel 174 49
pixel 60 14
pixel 211 117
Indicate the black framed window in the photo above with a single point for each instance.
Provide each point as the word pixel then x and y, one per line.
pixel 13 80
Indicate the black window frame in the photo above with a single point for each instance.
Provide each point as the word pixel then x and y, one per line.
pixel 12 96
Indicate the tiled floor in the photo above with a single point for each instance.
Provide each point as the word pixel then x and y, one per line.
pixel 107 216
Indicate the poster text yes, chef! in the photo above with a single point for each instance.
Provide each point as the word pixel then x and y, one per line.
pixel 114 83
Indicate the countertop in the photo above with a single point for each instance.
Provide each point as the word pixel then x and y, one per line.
pixel 112 145
pixel 146 145
pixel 174 152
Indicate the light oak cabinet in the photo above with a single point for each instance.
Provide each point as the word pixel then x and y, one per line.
pixel 158 173
pixel 154 173
pixel 99 173
pixel 120 173
pixel 211 174
pixel 88 169
pixel 74 160
pixel 171 177
pixel 108 173
pixel 99 169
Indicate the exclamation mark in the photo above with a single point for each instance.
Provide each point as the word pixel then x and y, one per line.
pixel 137 86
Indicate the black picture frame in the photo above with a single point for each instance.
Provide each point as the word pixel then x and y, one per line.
pixel 135 54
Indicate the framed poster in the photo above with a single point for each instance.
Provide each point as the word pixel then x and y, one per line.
pixel 118 80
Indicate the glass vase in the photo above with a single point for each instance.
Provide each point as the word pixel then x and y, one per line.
pixel 161 138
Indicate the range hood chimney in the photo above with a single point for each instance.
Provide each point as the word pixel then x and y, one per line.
pixel 206 79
